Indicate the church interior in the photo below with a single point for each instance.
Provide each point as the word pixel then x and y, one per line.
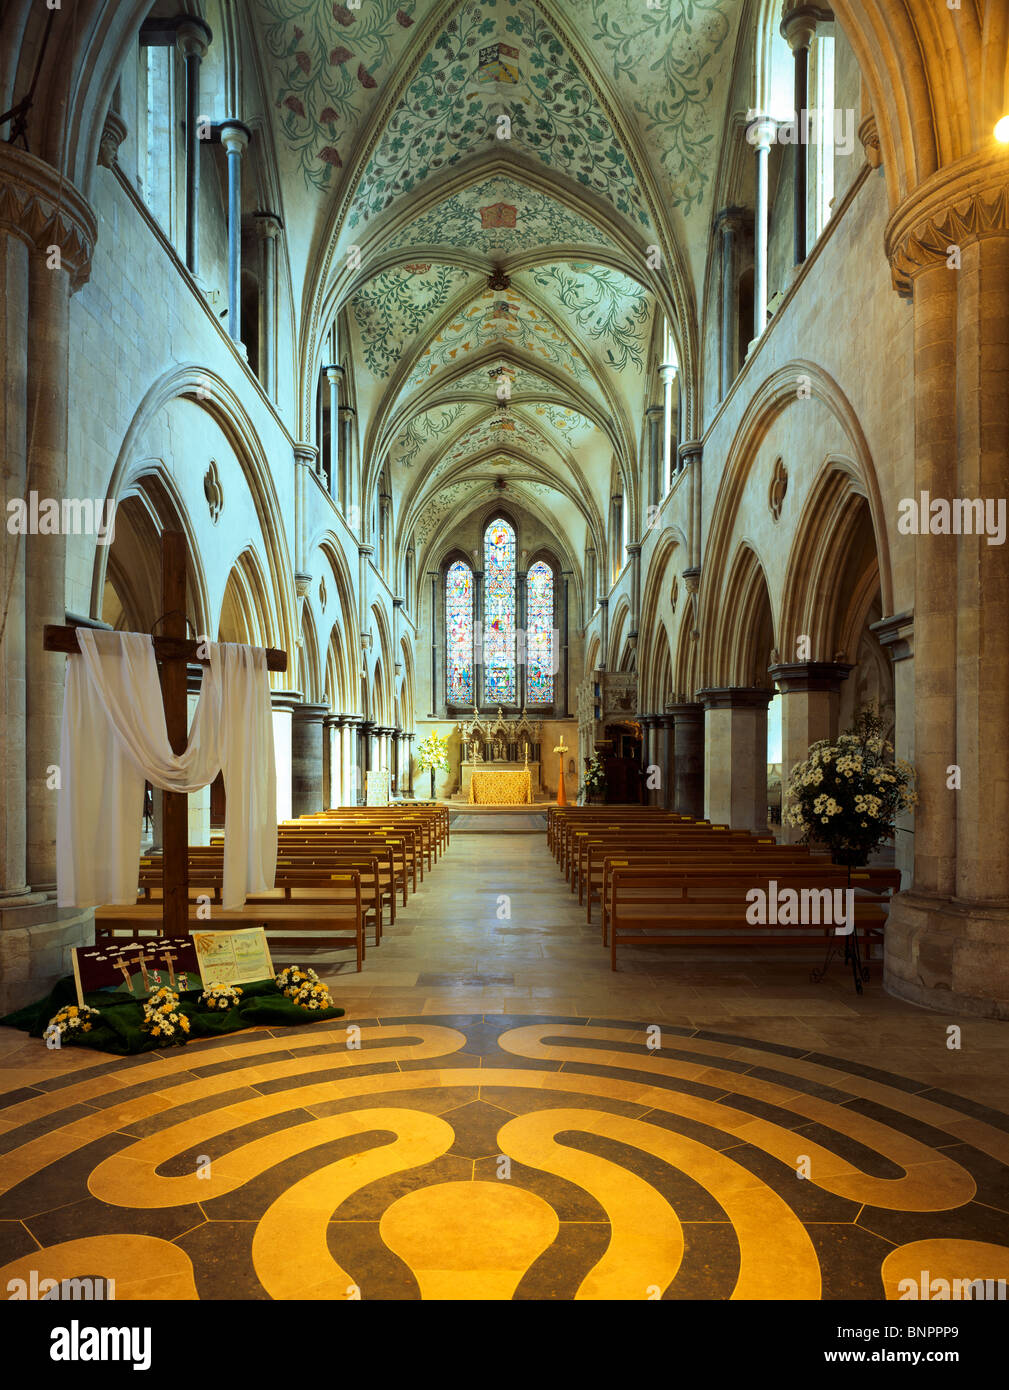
pixel 533 445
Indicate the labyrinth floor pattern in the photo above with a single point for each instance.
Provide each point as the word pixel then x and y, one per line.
pixel 468 1157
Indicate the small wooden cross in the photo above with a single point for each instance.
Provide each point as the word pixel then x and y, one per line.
pixel 173 651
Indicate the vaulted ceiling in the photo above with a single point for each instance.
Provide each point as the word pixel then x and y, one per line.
pixel 502 201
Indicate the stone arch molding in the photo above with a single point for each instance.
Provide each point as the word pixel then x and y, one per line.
pixel 212 394
pixel 766 405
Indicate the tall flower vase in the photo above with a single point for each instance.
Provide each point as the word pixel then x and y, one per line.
pixel 432 784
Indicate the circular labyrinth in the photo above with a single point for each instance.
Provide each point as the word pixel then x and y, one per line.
pixel 529 1158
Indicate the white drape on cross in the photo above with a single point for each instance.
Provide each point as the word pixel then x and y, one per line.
pixel 114 737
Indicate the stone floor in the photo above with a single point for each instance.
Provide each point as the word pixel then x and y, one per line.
pixel 517 1121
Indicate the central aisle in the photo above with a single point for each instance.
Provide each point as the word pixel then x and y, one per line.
pixel 494 928
pixel 507 1122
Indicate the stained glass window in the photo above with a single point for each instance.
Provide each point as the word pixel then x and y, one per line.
pixel 499 613
pixel 540 634
pixel 459 634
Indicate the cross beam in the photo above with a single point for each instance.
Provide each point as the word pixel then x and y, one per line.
pixel 173 651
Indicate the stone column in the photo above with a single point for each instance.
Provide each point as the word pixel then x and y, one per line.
pixel 350 776
pixel 366 755
pixel 268 229
pixel 656 485
pixel 896 636
pixel 667 373
pixel 664 797
pixel 634 556
pixel 333 744
pixel 727 223
pixel 347 416
pixel 762 135
pixel 810 698
pixel 193 38
pixel 735 761
pixel 306 758
pixel 604 632
pixel 337 484
pixel 798 27
pixel 397 760
pixel 690 456
pixel 647 722
pixel 57 226
pixel 235 138
pixel 688 758
pixel 14 258
pixel 283 702
pixel 982 657
pixel 408 789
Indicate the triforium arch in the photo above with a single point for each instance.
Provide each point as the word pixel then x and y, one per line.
pixel 126 582
pixel 246 610
pixel 208 391
pixel 833 572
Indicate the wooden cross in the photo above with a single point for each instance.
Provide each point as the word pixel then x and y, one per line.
pixel 173 651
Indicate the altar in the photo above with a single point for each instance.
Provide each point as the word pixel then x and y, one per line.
pixel 500 784
pixel 500 763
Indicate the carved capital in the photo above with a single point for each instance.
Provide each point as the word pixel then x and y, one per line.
pixel 192 37
pixel 955 206
pixel 113 134
pixel 44 209
pixel 799 21
pixel 868 134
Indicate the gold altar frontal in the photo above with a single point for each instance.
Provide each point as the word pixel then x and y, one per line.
pixel 500 786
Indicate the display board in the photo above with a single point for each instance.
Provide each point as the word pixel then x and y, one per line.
pixel 233 957
pixel 136 967
pixel 376 787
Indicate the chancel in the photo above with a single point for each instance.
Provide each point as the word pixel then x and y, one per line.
pixel 517 492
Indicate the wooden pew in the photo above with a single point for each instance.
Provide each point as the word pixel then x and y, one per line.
pixel 289 926
pixel 206 878
pixel 702 907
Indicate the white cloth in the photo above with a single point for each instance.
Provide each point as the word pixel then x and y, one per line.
pixel 114 736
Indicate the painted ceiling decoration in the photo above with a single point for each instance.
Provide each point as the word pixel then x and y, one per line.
pixel 503 428
pixel 424 430
pixel 571 423
pixel 452 108
pixel 523 382
pixel 327 62
pixel 670 57
pixel 607 306
pixel 499 215
pixel 499 317
pixel 394 307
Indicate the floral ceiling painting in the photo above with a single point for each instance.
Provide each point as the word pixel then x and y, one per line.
pixel 452 109
pixel 500 317
pixel 394 308
pixel 327 62
pixel 464 220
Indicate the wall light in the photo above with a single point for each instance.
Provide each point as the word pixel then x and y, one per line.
pixel 1002 130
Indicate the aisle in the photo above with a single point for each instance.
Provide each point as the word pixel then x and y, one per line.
pixel 507 1121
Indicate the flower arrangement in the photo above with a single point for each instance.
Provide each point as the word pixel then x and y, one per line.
pixel 432 755
pixel 847 794
pixel 304 988
pixel 69 1024
pixel 594 777
pixel 162 1018
pixel 221 996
